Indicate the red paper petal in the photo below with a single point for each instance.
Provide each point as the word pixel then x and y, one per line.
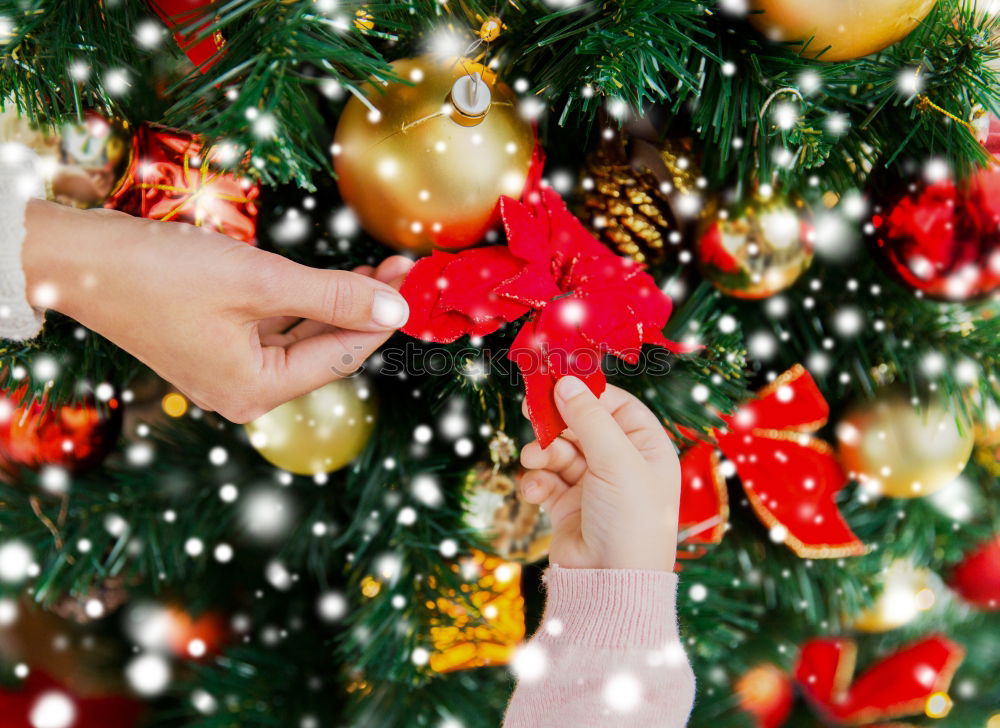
pixel 469 282
pixel 422 291
pixel 569 240
pixel 791 479
pixel 533 286
pixel 527 232
pixel 704 508
pixel 541 365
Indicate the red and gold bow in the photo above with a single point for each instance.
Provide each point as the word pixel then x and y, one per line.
pixel 172 177
pixel 790 477
pixel 895 686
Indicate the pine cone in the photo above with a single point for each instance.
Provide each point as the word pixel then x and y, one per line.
pixel 627 206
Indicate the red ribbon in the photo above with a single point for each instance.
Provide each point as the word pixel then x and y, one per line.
pixel 895 686
pixel 179 13
pixel 171 177
pixel 790 477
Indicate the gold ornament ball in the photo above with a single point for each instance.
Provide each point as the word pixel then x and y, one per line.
pixel 428 165
pixel 83 163
pixel 757 253
pixel 844 28
pixel 906 592
pixel 318 432
pixel 897 450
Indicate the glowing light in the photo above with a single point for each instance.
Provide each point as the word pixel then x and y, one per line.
pixel 52 710
pixel 174 404
pixel 938 705
pixel 15 562
pixel 149 674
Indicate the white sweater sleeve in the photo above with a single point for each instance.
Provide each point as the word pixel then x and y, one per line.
pixel 19 181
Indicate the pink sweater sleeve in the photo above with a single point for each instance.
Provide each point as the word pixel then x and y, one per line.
pixel 607 654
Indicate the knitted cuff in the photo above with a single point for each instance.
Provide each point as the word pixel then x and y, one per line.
pixel 19 181
pixel 611 607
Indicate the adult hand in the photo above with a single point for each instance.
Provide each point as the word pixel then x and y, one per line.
pixel 610 483
pixel 236 329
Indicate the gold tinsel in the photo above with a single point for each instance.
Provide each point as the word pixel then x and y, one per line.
pixel 630 207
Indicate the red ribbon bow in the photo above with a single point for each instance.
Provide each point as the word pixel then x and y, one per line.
pixel 790 477
pixel 584 300
pixel 895 686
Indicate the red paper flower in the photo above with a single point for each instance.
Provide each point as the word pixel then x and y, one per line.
pixel 585 300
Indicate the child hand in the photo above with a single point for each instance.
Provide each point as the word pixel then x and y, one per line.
pixel 610 484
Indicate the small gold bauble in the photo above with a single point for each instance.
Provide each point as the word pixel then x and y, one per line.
pixel 318 432
pixel 844 28
pixel 906 592
pixel 83 164
pixel 426 169
pixel 758 252
pixel 895 449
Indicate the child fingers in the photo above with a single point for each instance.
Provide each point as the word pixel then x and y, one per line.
pixel 601 438
pixel 546 489
pixel 560 457
pixel 638 422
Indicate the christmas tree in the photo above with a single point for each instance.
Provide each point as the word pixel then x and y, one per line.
pixel 815 189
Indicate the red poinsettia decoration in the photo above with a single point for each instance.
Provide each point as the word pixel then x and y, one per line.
pixel 584 301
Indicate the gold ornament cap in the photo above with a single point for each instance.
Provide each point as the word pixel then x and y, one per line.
pixel 470 98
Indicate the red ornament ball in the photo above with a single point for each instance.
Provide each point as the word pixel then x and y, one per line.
pixel 72 436
pixel 977 578
pixel 943 238
pixel 765 692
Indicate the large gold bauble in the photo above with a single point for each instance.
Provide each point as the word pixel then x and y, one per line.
pixel 83 163
pixel 758 252
pixel 895 449
pixel 845 29
pixel 417 172
pixel 906 592
pixel 318 432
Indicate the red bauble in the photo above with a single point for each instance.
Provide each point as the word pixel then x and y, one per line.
pixel 765 692
pixel 75 437
pixel 977 578
pixel 943 239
